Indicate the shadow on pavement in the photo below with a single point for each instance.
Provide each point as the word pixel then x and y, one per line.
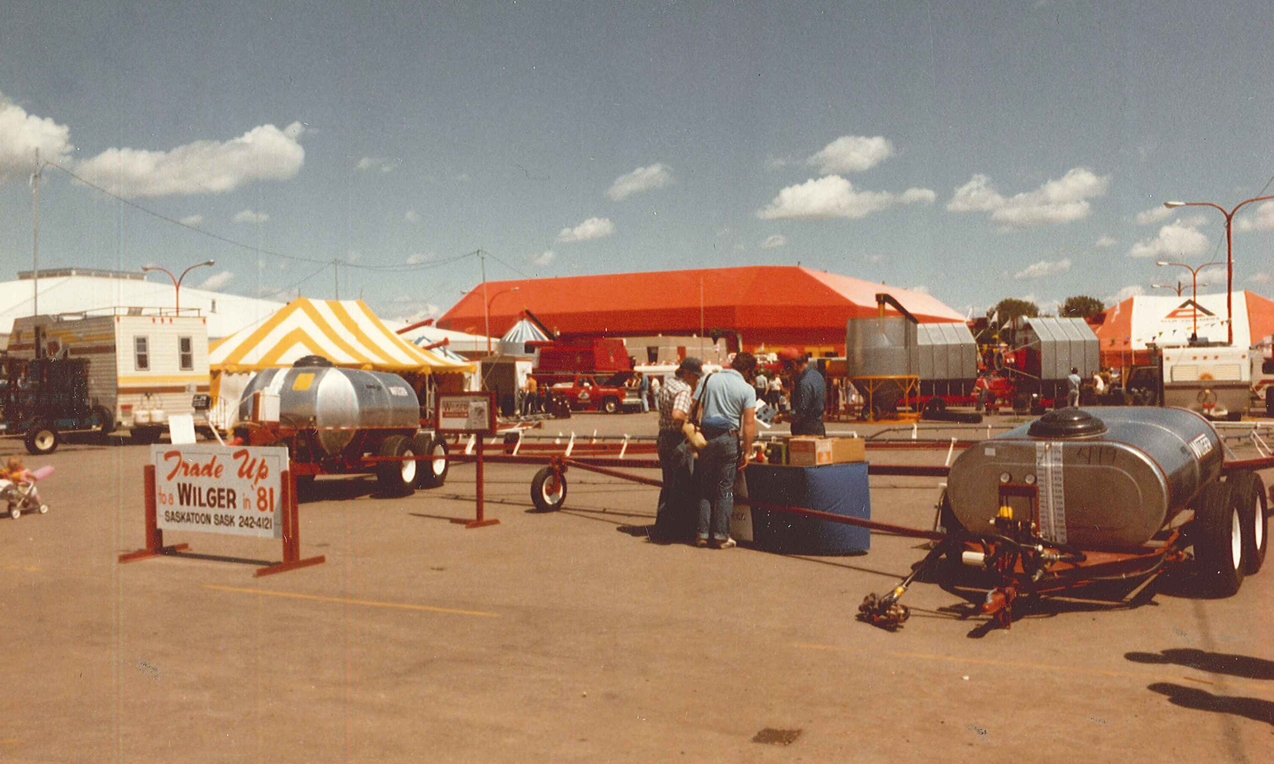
pixel 1213 663
pixel 1202 700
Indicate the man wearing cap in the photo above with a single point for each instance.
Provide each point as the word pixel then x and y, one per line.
pixel 676 497
pixel 727 404
pixel 809 393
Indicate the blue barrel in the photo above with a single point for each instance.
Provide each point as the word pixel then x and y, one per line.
pixel 840 489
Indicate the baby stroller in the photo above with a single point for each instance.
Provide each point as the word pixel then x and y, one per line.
pixel 21 497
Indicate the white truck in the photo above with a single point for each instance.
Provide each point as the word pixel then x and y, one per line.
pixel 144 365
pixel 1215 380
pixel 1262 357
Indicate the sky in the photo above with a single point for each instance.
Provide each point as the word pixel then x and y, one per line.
pixel 973 150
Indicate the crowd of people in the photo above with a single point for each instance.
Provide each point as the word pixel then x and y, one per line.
pixel 706 423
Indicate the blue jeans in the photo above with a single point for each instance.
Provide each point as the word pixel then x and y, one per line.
pixel 718 463
pixel 677 502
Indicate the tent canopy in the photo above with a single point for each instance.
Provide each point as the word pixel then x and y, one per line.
pixel 346 332
pixel 514 341
pixel 766 304
pixel 1169 320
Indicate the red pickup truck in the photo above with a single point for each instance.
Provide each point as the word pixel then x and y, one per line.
pixel 587 391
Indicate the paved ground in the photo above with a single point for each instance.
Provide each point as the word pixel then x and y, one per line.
pixel 570 637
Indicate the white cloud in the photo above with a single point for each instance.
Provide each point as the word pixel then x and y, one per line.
pixel 642 179
pixel 834 197
pixel 1134 290
pixel 412 217
pixel 922 289
pixel 376 163
pixel 195 220
pixel 593 228
pixel 1106 242
pixel 772 242
pixel 1153 215
pixel 262 153
pixel 852 153
pixel 874 258
pixel 248 216
pixel 1044 268
pixel 416 258
pixel 1174 240
pixel 544 258
pixel 1263 220
pixel 217 280
pixel 353 256
pixel 1213 276
pixel 463 177
pixel 1259 278
pixel 1057 201
pixel 21 134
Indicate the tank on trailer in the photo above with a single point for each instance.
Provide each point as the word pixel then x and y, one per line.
pixel 1105 476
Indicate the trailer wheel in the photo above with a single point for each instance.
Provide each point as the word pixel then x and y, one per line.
pixel 1218 540
pixel 103 420
pixel 396 478
pixel 432 473
pixel 1249 498
pixel 548 490
pixel 41 439
pixel 935 405
pixel 15 511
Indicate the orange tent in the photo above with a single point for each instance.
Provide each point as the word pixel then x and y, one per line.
pixel 1171 320
pixel 767 305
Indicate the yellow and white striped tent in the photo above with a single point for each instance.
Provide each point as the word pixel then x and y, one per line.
pixel 346 332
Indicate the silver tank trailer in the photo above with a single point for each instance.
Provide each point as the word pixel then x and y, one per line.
pixel 323 397
pixel 1105 476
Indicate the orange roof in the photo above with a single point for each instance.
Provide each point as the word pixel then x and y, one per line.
pixel 766 304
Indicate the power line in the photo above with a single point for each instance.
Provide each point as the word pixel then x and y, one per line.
pixel 510 267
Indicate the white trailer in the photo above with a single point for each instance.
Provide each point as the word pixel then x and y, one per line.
pixel 144 367
pixel 1214 380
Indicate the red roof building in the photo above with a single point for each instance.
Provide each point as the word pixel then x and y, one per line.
pixel 767 305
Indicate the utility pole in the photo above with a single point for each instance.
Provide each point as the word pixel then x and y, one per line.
pixel 35 252
pixel 482 257
pixel 336 278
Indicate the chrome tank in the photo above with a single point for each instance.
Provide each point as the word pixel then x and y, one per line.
pixel 1108 475
pixel 322 397
pixel 876 347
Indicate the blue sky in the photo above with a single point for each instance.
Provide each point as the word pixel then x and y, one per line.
pixel 974 150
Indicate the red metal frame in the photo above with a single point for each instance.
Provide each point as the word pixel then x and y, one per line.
pixel 154 536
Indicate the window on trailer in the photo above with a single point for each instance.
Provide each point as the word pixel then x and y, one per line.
pixel 186 349
pixel 141 354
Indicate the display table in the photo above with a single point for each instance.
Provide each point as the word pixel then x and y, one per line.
pixel 840 489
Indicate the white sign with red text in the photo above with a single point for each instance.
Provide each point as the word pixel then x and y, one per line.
pixel 220 489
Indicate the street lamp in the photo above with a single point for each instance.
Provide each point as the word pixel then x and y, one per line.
pixel 1177 286
pixel 1194 293
pixel 177 280
pixel 1229 253
pixel 487 314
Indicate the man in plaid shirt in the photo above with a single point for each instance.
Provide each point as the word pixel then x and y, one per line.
pixel 674 518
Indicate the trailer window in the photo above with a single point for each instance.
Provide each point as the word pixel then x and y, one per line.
pixel 1227 372
pixel 141 354
pixel 184 349
pixel 1186 372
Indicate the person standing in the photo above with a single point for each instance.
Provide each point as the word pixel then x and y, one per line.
pixel 673 517
pixel 1072 387
pixel 655 384
pixel 643 390
pixel 775 394
pixel 809 393
pixel 726 403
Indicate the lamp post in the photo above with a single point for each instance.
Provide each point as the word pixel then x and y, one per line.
pixel 177 279
pixel 1229 253
pixel 1194 293
pixel 1177 286
pixel 487 314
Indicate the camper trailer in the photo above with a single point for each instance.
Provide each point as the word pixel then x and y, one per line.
pixel 143 367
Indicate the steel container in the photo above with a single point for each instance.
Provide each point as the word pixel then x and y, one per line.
pixel 1102 476
pixel 881 347
pixel 335 401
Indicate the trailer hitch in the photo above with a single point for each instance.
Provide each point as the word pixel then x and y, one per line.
pixel 884 610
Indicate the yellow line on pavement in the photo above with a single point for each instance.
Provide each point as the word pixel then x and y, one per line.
pixel 1238 683
pixel 14 566
pixel 368 603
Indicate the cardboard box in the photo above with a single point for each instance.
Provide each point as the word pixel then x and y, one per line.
pixel 810 451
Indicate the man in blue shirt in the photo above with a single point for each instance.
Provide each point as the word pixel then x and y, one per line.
pixel 726 405
pixel 809 393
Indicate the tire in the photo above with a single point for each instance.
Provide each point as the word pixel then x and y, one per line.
pixel 42 439
pixel 103 420
pixel 610 405
pixel 304 485
pixel 947 521
pixel 433 473
pixel 15 511
pixel 1269 403
pixel 1021 404
pixel 1249 498
pixel 396 478
pixel 935 405
pixel 1217 535
pixel 1234 416
pixel 548 492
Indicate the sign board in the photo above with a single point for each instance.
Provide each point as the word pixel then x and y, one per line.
pixel 467 413
pixel 220 489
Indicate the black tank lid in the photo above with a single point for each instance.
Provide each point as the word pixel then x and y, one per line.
pixel 311 361
pixel 1067 423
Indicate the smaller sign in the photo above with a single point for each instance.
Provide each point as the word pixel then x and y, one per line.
pixel 218 489
pixel 467 413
